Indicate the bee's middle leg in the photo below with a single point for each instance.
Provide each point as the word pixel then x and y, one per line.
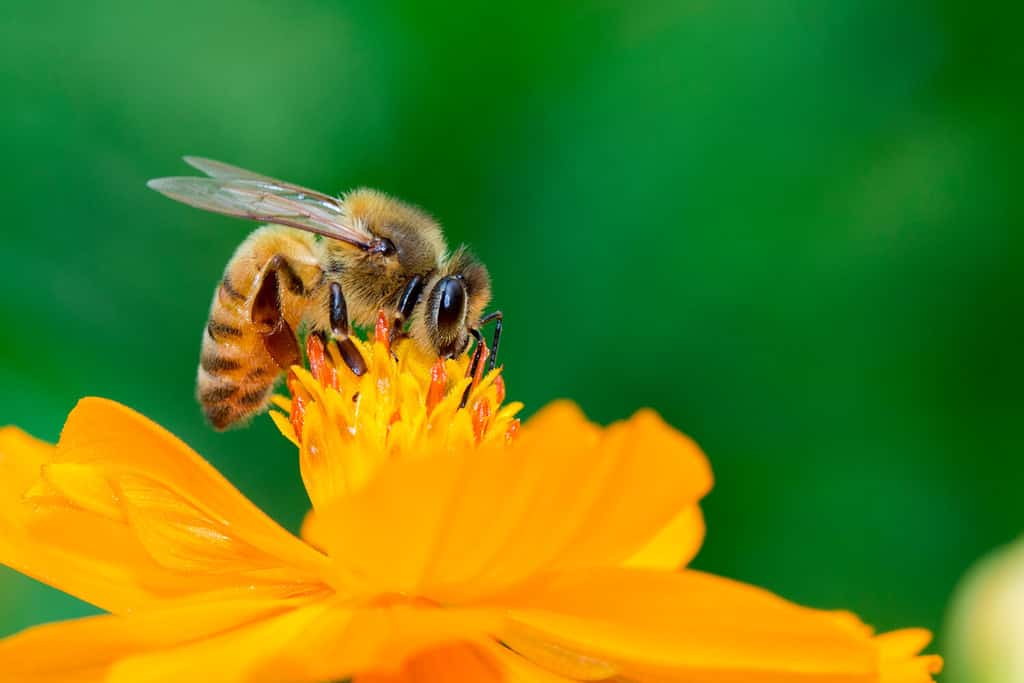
pixel 338 313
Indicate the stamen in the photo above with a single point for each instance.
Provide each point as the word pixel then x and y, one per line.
pixel 438 385
pixel 512 431
pixel 484 354
pixel 481 416
pixel 396 404
pixel 499 389
pixel 299 399
pixel 320 365
pixel 382 330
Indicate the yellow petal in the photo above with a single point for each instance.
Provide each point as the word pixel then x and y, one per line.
pixel 123 515
pixel 561 423
pixel 899 661
pixel 481 662
pixel 128 446
pixel 316 643
pixel 458 663
pixel 21 459
pixel 518 669
pixel 85 649
pixel 313 532
pixel 675 545
pixel 88 556
pixel 690 626
pixel 451 526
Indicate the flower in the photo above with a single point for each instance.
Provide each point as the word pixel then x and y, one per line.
pixel 444 544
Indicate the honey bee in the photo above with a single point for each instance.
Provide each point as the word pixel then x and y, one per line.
pixel 324 262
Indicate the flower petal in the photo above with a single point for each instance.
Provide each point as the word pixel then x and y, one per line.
pixel 141 456
pixel 85 649
pixel 457 663
pixel 518 669
pixel 690 626
pixel 481 662
pixel 675 545
pixel 899 661
pixel 451 526
pixel 92 558
pixel 123 515
pixel 319 642
pixel 312 531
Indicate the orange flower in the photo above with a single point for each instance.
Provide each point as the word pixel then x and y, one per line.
pixel 445 544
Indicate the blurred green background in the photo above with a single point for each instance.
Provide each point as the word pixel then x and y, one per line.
pixel 794 228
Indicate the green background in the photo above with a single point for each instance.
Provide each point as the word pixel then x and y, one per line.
pixel 794 228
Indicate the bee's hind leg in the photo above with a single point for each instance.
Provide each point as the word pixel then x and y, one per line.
pixel 278 336
pixel 340 329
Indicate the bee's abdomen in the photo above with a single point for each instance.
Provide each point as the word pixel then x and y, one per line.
pixel 236 373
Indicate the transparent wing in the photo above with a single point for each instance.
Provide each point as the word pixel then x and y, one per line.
pixel 236 192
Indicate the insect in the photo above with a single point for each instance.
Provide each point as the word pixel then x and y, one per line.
pixel 326 262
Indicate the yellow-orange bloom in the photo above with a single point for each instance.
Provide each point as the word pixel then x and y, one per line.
pixel 445 544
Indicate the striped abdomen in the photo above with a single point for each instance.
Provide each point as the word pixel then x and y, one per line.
pixel 236 371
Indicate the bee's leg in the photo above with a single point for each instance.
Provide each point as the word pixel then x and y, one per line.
pixel 278 337
pixel 340 329
pixel 496 339
pixel 473 364
pixel 406 304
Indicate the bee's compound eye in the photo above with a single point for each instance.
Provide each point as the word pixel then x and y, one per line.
pixel 451 302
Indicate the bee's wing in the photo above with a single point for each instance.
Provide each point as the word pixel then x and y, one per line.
pixel 218 169
pixel 236 192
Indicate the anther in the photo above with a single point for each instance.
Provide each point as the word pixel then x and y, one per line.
pixel 481 416
pixel 512 431
pixel 499 389
pixel 319 362
pixel 479 374
pixel 382 330
pixel 299 398
pixel 438 384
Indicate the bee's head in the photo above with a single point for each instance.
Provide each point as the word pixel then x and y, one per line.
pixel 452 304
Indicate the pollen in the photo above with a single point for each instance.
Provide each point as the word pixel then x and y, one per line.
pixel 408 404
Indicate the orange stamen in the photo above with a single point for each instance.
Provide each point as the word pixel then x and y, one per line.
pixel 438 384
pixel 481 416
pixel 299 398
pixel 484 354
pixel 320 365
pixel 512 431
pixel 382 330
pixel 499 389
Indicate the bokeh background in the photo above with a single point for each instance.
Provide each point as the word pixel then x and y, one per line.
pixel 794 228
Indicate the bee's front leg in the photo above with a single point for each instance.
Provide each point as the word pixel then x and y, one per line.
pixel 496 316
pixel 406 303
pixel 338 312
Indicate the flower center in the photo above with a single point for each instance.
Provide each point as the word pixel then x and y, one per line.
pixel 407 404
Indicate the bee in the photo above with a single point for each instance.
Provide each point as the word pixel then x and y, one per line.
pixel 327 263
